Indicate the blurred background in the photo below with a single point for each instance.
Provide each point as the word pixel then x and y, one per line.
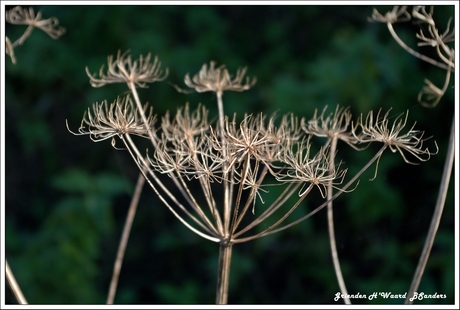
pixel 66 198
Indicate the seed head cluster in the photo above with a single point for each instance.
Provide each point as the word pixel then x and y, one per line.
pixel 234 162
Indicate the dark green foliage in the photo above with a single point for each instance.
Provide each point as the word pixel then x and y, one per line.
pixel 67 197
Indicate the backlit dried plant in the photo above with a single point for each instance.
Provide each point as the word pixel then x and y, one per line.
pixel 218 79
pixel 234 163
pixel 26 16
pixel 124 70
pixel 115 120
pixel 378 130
pixel 333 126
pixel 429 96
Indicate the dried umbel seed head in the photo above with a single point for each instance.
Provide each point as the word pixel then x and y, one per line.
pixel 218 79
pixel 378 130
pixel 310 169
pixel 335 125
pixel 185 125
pixel 124 70
pixel 120 117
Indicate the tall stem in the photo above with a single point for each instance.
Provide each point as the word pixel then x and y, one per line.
pixel 436 216
pixel 124 238
pixel 225 247
pixel 330 224
pixel 223 272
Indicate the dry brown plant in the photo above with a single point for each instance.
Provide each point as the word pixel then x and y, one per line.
pixel 240 159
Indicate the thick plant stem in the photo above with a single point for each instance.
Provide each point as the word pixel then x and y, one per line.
pixel 436 216
pixel 124 238
pixel 330 224
pixel 223 272
pixel 14 285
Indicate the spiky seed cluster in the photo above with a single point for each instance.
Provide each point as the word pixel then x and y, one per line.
pixel 124 70
pixel 120 117
pixel 190 147
pixel 246 141
pixel 310 170
pixel 334 125
pixel 218 79
pixel 185 125
pixel 237 154
pixel 378 130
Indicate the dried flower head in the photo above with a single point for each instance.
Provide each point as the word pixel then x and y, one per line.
pixel 124 70
pixel 218 79
pixel 186 125
pixel 185 148
pixel 434 38
pixel 392 16
pixel 379 130
pixel 335 126
pixel 21 16
pixel 303 167
pixel 119 118
pixel 249 141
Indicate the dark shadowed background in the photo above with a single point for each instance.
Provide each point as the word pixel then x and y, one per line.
pixel 67 197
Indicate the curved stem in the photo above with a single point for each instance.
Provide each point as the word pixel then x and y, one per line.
pixel 330 224
pixel 416 54
pixel 436 216
pixel 124 238
pixel 14 285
